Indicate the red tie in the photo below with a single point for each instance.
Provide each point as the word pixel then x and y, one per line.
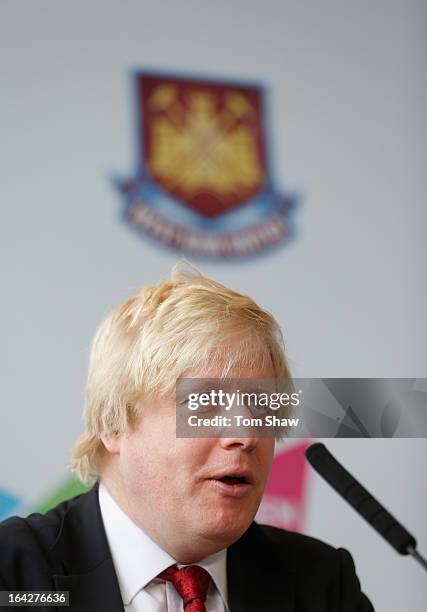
pixel 192 583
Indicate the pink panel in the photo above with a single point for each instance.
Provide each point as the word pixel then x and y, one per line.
pixel 283 504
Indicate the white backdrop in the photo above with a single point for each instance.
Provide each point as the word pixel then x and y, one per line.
pixel 347 115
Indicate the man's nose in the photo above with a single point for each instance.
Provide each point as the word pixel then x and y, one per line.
pixel 241 434
pixel 245 441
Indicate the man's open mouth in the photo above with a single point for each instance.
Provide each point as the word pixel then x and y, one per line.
pixel 233 480
pixel 231 484
pixel 238 476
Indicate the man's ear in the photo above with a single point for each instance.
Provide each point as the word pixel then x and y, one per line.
pixel 111 441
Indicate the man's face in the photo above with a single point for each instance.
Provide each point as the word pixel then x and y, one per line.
pixel 177 489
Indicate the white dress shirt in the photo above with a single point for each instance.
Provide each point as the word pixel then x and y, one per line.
pixel 138 560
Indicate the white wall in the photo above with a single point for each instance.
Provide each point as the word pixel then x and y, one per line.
pixel 347 96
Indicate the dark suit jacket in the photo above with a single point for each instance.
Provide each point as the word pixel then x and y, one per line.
pixel 268 569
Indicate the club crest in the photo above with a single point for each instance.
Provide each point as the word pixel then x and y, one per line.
pixel 203 185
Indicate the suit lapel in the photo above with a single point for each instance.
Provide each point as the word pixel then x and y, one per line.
pixel 255 576
pixel 93 591
pixel 83 550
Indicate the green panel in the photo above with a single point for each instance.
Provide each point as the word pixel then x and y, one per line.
pixel 68 488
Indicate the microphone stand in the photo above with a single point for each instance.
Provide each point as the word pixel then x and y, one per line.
pixel 417 556
pixel 363 502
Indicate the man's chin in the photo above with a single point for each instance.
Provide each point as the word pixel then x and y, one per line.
pixel 224 519
pixel 225 530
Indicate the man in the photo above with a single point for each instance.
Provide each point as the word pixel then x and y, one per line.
pixel 169 522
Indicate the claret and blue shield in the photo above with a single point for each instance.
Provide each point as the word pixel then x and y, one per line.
pixel 203 184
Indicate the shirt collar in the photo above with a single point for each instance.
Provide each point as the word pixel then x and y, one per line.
pixel 138 559
pixel 216 565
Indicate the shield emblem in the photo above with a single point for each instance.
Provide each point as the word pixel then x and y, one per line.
pixel 203 185
pixel 202 142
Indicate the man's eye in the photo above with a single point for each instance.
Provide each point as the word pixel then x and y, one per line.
pixel 250 400
pixel 206 409
pixel 256 404
pixel 259 410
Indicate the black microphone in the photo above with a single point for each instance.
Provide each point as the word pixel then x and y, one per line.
pixel 362 501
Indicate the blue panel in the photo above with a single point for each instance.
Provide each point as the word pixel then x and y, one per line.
pixel 7 504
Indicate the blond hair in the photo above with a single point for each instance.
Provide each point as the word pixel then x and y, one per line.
pixel 144 345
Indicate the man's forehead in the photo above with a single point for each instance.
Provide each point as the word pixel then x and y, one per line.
pixel 256 364
pixel 186 386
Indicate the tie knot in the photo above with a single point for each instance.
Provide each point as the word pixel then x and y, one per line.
pixel 192 583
